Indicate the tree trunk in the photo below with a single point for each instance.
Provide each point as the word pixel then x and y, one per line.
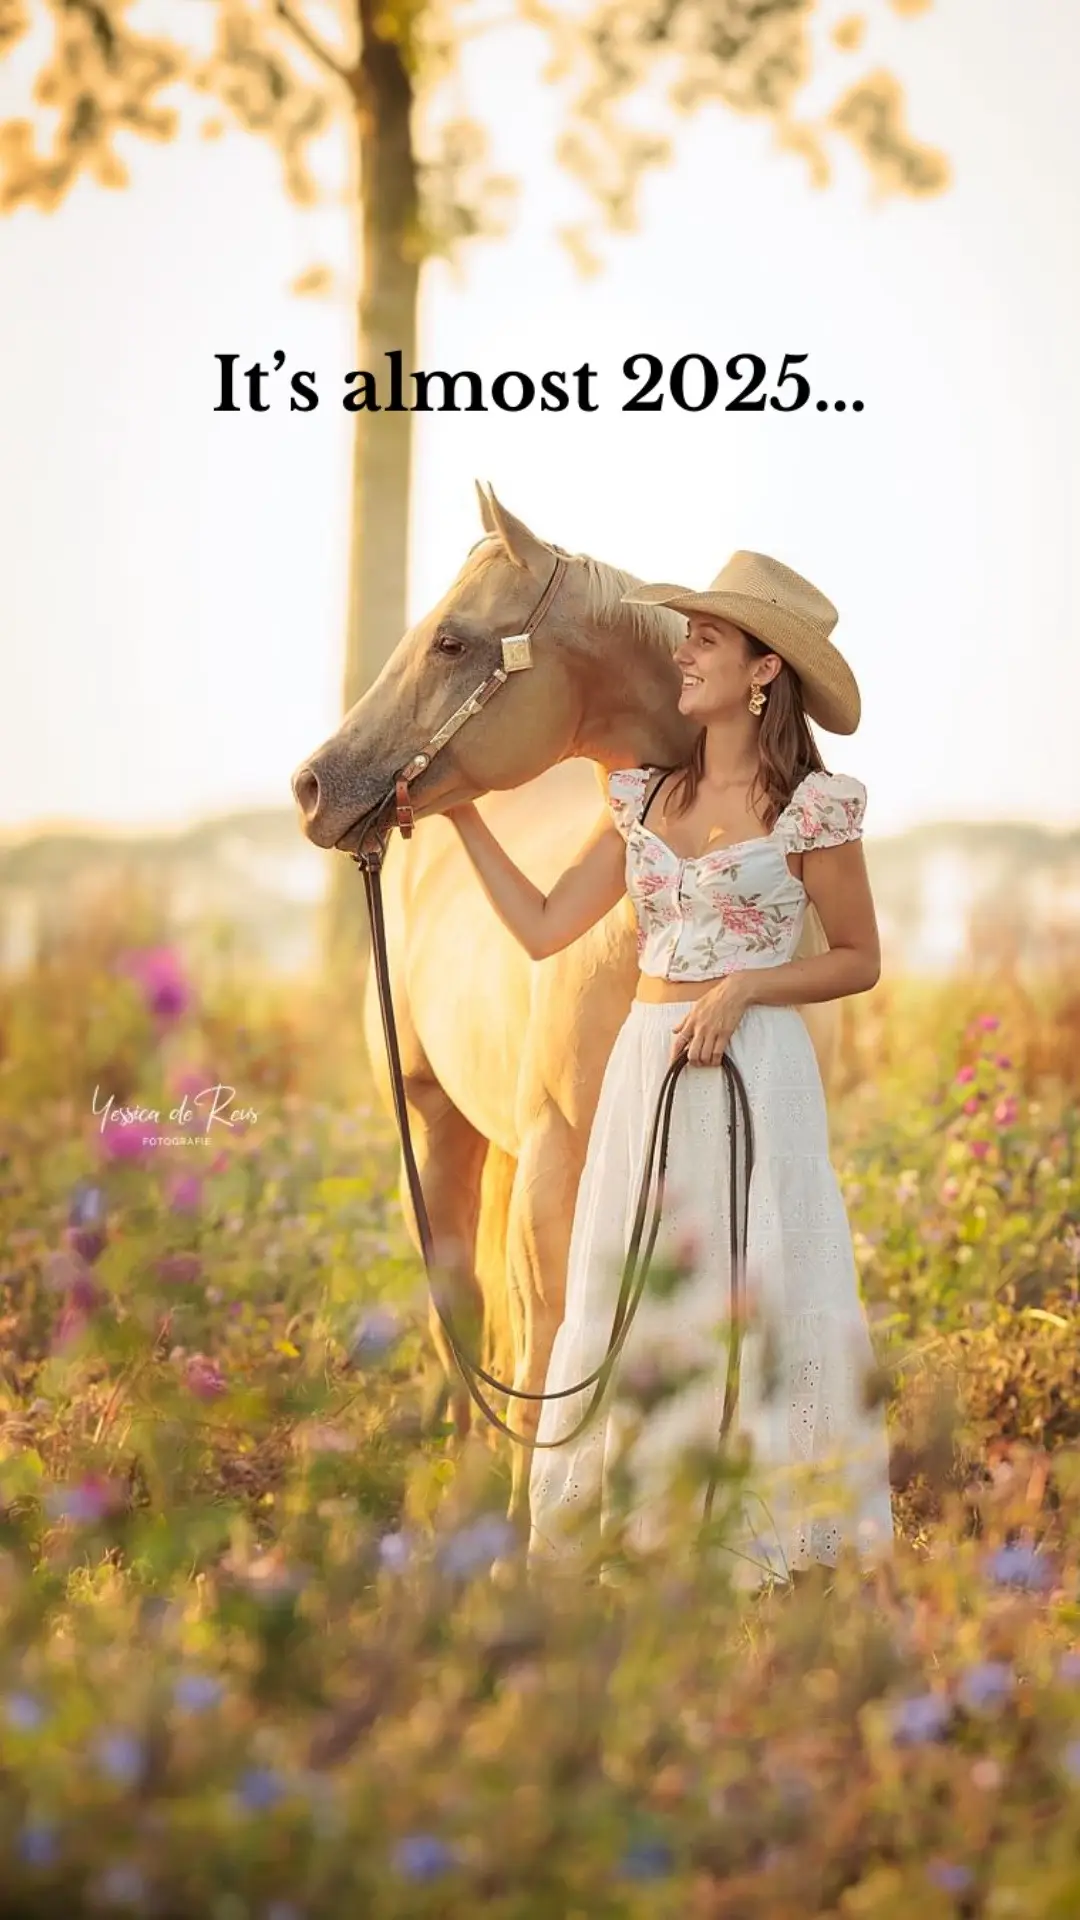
pixel 382 447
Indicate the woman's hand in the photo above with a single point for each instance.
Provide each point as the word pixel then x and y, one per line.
pixel 705 1031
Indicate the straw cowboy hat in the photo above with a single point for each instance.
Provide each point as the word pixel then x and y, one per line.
pixel 789 615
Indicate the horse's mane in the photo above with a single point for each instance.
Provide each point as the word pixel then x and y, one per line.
pixel 604 588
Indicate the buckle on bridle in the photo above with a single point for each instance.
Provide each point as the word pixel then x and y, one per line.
pixel 517 652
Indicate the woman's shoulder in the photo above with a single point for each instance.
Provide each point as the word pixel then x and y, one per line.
pixel 625 793
pixel 825 809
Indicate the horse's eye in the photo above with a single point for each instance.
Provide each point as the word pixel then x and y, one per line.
pixel 446 643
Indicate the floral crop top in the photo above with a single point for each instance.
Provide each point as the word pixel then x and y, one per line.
pixel 739 906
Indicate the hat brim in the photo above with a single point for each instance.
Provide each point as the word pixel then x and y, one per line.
pixel 830 690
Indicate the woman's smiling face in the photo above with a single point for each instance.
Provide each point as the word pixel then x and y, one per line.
pixel 718 667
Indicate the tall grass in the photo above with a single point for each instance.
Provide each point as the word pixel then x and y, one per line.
pixel 251 1660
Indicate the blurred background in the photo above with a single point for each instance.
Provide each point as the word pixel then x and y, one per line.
pixel 190 595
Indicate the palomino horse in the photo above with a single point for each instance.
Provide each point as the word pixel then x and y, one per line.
pixel 503 1056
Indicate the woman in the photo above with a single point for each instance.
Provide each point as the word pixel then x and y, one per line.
pixel 736 843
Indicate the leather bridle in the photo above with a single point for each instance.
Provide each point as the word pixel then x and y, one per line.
pixel 516 658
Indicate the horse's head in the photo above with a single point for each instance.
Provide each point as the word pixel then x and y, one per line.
pixel 540 716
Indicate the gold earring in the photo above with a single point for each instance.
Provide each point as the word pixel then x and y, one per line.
pixel 757 697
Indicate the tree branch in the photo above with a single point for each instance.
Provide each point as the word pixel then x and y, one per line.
pixel 313 46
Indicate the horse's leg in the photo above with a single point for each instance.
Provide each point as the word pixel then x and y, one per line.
pixel 538 1243
pixel 450 1160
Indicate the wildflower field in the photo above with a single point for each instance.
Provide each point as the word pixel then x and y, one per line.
pixel 252 1661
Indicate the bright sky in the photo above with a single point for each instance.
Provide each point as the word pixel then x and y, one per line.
pixel 173 597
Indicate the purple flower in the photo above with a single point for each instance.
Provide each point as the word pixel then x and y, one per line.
pixel 376 1333
pixel 646 1860
pixel 423 1856
pixel 922 1718
pixel 203 1377
pixel 986 1685
pixel 161 976
pixel 473 1547
pixel 24 1712
pixel 197 1692
pixel 121 1756
pixel 1020 1566
pixel 950 1876
pixel 86 1221
pixel 260 1789
pixel 395 1551
pixel 122 1142
pixel 38 1843
pixel 178 1269
pixel 90 1501
pixel 185 1194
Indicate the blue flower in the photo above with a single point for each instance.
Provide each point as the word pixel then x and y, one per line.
pixel 646 1860
pixel 423 1856
pixel 1020 1566
pixel 473 1548
pixel 395 1551
pixel 375 1334
pixel 950 1876
pixel 986 1685
pixel 197 1692
pixel 924 1717
pixel 87 1207
pixel 24 1712
pixel 38 1844
pixel 260 1789
pixel 120 1755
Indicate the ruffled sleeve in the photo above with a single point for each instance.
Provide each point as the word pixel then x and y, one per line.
pixel 825 810
pixel 625 793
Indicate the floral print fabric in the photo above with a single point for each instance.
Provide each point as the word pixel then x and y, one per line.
pixel 738 906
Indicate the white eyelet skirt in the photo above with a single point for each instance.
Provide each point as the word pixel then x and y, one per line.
pixel 819 1454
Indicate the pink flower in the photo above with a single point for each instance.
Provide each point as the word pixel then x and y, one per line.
pixel 964 1075
pixel 204 1378
pixel 178 1269
pixel 185 1193
pixel 166 989
pixel 88 1502
pixel 1006 1111
pixel 972 1105
pixel 980 1149
pixel 988 1022
pixel 1002 1060
pixel 741 919
pixel 193 1080
pixel 123 1143
pixel 950 1189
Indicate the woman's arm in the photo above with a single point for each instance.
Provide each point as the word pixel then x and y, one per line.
pixel 545 923
pixel 838 885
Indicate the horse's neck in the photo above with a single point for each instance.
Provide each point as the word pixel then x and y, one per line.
pixel 630 715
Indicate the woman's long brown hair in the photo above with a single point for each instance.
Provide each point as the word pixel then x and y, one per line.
pixel 786 746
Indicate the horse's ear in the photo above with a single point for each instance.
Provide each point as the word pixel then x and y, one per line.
pixel 523 547
pixel 487 518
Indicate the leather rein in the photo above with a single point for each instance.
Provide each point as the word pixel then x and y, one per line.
pixel 517 657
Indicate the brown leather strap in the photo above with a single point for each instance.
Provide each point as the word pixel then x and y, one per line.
pixel 636 1265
